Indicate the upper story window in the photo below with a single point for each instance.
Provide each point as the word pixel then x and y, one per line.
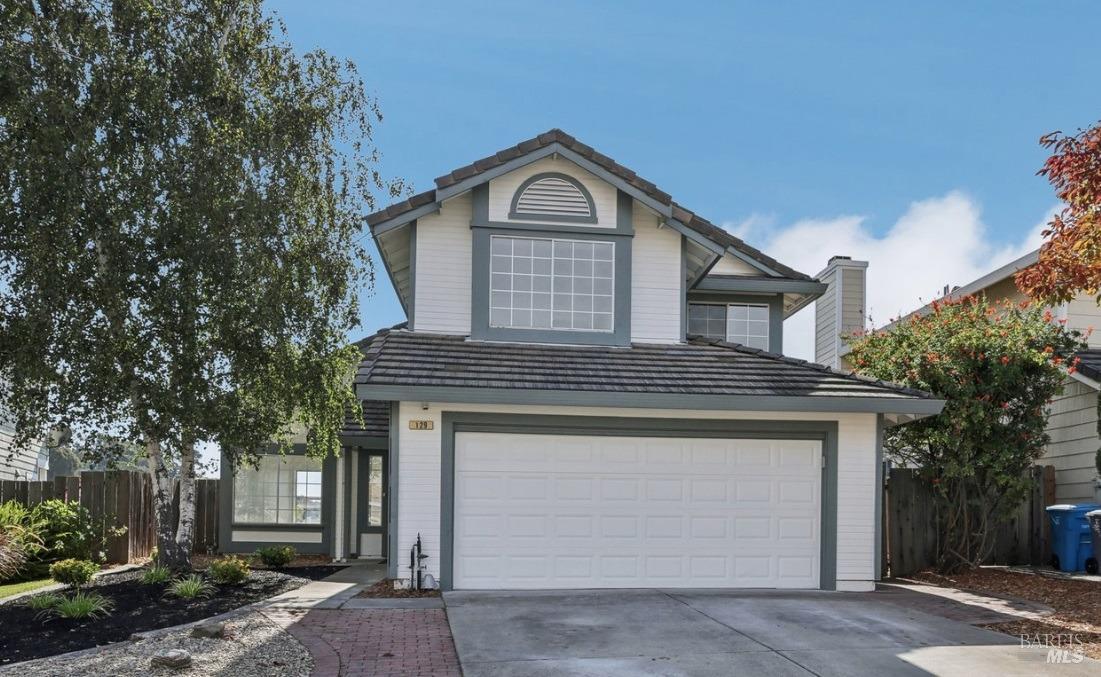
pixel 552 196
pixel 551 283
pixel 744 323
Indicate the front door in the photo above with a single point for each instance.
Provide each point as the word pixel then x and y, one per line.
pixel 372 505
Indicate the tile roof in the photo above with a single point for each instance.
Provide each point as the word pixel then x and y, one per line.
pixel 699 367
pixel 1089 364
pixel 685 216
pixel 376 421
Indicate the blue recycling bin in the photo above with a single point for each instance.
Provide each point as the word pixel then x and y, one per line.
pixel 1071 544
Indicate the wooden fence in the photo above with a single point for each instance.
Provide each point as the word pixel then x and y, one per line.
pixel 909 533
pixel 121 501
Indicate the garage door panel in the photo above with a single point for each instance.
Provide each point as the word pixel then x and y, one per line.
pixel 728 513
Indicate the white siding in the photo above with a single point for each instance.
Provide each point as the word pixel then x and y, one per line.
pixel 656 286
pixel 730 265
pixel 419 458
pixel 29 463
pixel 1083 314
pixel 504 187
pixel 825 322
pixel 442 287
pixel 1073 447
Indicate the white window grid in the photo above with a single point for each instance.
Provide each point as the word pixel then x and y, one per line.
pixel 552 283
pixel 744 323
pixel 282 491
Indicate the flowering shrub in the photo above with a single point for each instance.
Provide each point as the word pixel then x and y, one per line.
pixel 997 366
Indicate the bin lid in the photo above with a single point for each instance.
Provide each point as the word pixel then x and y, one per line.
pixel 1094 513
pixel 1061 507
pixel 1068 507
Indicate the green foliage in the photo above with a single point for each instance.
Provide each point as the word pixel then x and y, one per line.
pixel 47 600
pixel 156 574
pixel 997 366
pixel 191 587
pixel 11 556
pixel 276 556
pixel 68 531
pixel 80 605
pixel 73 572
pixel 20 540
pixel 229 570
pixel 181 212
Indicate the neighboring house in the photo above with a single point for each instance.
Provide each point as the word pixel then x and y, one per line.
pixel 589 393
pixel 1073 414
pixel 29 463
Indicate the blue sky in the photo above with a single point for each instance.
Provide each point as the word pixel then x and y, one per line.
pixel 809 128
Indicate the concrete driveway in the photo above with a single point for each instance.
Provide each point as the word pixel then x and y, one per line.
pixel 708 632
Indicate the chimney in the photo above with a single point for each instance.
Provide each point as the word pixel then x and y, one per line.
pixel 841 310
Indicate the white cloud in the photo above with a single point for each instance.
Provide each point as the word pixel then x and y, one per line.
pixel 938 241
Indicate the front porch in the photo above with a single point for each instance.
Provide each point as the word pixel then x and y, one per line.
pixel 332 506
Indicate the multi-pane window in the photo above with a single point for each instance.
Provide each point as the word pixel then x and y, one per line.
pixel 543 283
pixel 744 323
pixel 283 490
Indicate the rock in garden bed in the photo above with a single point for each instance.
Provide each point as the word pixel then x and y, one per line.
pixel 137 608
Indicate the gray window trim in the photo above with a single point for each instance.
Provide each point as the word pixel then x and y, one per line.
pixel 226 525
pixel 775 312
pixel 479 298
pixel 392 466
pixel 453 422
pixel 362 510
pixel 563 218
pixel 885 404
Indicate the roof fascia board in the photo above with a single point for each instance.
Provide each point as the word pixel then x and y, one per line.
pixel 402 219
pixel 836 404
pixel 752 261
pixel 779 285
pixel 695 236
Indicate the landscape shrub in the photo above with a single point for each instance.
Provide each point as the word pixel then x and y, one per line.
pixel 191 587
pixel 67 531
pixel 20 540
pixel 73 572
pixel 47 600
pixel 156 573
pixel 11 556
pixel 80 605
pixel 229 570
pixel 276 555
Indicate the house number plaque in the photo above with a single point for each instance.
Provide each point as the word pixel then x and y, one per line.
pixel 415 424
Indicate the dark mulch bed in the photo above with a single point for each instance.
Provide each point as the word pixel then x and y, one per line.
pixel 137 608
pixel 385 588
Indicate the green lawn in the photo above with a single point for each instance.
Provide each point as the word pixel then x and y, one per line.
pixel 9 589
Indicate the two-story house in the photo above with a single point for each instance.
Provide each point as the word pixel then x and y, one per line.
pixel 1072 424
pixel 589 392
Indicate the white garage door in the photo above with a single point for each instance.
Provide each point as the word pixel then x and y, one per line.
pixel 564 511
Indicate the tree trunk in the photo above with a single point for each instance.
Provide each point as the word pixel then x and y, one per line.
pixel 169 553
pixel 185 526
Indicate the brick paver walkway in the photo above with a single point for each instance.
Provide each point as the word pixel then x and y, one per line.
pixel 378 642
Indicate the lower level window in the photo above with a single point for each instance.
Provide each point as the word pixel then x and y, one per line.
pixel 744 323
pixel 283 490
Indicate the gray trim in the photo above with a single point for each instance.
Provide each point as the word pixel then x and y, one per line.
pixel 392 466
pixel 226 525
pixel 453 422
pixel 363 508
pixel 684 286
pixel 879 426
pixel 412 304
pixel 887 404
pixel 402 219
pixel 752 262
pixel 697 237
pixel 715 258
pixel 479 203
pixel 760 286
pixel 775 312
pixel 460 187
pixel 479 297
pixel 564 218
pixel 550 227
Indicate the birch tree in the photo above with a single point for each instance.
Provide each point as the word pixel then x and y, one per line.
pixel 181 203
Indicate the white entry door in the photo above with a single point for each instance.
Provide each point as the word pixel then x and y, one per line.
pixel 570 511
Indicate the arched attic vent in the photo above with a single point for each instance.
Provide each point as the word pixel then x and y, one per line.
pixel 553 196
